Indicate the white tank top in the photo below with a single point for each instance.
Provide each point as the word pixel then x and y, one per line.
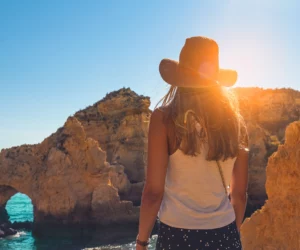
pixel 194 196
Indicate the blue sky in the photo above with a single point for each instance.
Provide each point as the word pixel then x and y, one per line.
pixel 59 56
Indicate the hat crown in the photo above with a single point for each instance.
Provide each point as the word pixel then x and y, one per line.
pixel 198 66
pixel 199 50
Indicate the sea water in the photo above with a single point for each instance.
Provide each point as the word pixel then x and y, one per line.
pixel 20 208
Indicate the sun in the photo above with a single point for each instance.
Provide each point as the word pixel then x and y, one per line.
pixel 250 58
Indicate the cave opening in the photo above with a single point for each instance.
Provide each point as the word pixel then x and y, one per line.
pixel 20 208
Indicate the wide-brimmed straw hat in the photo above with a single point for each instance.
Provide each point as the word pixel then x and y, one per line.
pixel 198 66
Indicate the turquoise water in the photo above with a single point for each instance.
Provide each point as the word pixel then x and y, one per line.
pixel 20 208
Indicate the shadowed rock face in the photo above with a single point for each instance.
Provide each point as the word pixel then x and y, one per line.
pixel 277 224
pixel 267 113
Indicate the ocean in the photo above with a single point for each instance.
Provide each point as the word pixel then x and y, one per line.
pixel 20 208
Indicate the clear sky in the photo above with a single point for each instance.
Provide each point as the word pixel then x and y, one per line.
pixel 59 56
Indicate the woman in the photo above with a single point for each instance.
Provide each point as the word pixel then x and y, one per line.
pixel 197 147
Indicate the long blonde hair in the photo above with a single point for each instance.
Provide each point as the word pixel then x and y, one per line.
pixel 215 112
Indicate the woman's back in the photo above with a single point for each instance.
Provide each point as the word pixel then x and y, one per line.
pixel 194 195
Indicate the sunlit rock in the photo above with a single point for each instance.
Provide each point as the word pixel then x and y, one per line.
pixel 277 224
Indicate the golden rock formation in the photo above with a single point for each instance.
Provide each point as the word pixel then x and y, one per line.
pixel 119 122
pixel 277 224
pixel 103 150
pixel 91 170
pixel 267 113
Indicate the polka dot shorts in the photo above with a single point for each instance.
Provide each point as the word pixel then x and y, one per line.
pixel 184 239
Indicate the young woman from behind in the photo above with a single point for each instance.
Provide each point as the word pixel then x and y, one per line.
pixel 197 156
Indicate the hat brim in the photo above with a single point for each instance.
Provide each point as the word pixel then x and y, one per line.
pixel 176 75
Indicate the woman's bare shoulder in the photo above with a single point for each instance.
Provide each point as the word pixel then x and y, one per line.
pixel 158 116
pixel 161 117
pixel 163 113
pixel 164 109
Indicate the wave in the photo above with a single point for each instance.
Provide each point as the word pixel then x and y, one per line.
pixel 17 235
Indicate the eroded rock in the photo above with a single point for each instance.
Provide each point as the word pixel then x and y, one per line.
pixel 277 224
pixel 119 122
pixel 106 144
pixel 6 230
pixel 63 175
pixel 267 113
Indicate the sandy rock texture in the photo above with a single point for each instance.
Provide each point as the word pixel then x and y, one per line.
pixel 266 113
pixel 91 170
pixel 277 224
pixel 67 178
pixel 120 122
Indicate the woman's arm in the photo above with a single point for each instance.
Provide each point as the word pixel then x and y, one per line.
pixel 239 184
pixel 156 172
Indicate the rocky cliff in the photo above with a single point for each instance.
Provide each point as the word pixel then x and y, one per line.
pixel 92 169
pixel 277 224
pixel 119 122
pixel 267 113
pixel 71 178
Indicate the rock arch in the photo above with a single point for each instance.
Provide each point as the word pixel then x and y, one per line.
pixel 6 192
pixel 20 210
pixel 68 177
pixel 65 176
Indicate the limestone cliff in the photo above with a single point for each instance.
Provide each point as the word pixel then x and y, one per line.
pixel 98 158
pixel 267 113
pixel 76 174
pixel 272 109
pixel 277 224
pixel 67 178
pixel 119 122
pixel 91 170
